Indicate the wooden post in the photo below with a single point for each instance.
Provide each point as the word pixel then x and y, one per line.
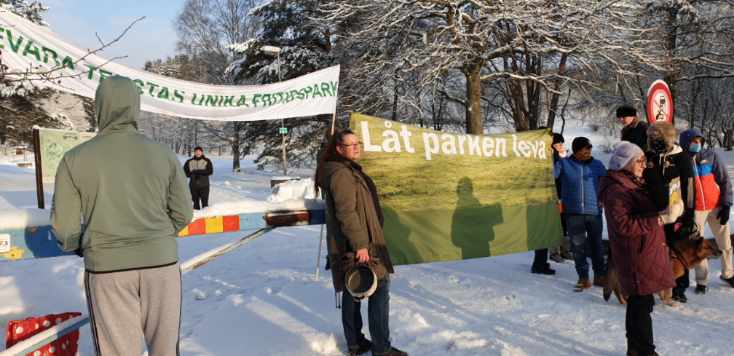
pixel 39 169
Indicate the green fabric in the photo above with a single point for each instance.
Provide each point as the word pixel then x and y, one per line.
pixel 460 200
pixel 129 193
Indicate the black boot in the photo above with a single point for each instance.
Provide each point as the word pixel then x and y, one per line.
pixel 680 296
pixel 363 347
pixel 543 269
pixel 729 281
pixel 393 352
pixel 700 289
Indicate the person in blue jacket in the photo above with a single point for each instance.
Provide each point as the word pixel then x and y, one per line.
pixel 579 184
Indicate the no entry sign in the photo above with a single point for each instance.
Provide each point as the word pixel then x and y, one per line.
pixel 659 103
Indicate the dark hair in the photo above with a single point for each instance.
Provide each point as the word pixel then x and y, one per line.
pixel 198 148
pixel 626 110
pixel 329 153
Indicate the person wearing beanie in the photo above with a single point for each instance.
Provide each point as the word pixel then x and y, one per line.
pixel 540 262
pixel 668 177
pixel 579 177
pixel 636 242
pixel 713 192
pixel 633 129
pixel 198 169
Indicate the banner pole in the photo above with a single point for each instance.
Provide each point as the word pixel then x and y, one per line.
pixel 318 257
pixel 333 123
pixel 39 173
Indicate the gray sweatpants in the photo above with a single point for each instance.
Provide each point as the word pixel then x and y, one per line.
pixel 131 309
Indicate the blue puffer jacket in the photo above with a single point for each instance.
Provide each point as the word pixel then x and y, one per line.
pixel 580 184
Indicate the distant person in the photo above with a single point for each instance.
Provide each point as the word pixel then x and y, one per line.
pixel 713 203
pixel 198 169
pixel 354 235
pixel 634 130
pixel 540 262
pixel 637 243
pixel 669 178
pixel 579 177
pixel 131 199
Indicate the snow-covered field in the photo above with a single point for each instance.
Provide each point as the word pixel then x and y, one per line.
pixel 263 299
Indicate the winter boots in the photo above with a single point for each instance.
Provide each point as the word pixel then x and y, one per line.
pixel 363 347
pixel 583 283
pixel 393 352
pixel 546 269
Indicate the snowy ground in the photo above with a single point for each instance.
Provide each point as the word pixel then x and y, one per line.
pixel 263 299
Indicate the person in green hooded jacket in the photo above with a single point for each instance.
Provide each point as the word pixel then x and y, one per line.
pixel 120 200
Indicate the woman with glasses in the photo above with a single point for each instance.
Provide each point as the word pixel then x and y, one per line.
pixel 637 243
pixel 354 235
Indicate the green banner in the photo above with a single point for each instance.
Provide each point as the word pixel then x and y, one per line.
pixel 452 196
pixel 54 144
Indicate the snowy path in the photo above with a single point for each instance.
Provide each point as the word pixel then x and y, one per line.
pixel 263 300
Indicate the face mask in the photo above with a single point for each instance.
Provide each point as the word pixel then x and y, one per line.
pixel 695 148
pixel 659 146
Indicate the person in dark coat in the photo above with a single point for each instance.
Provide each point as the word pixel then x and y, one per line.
pixel 669 177
pixel 540 262
pixel 633 130
pixel 637 242
pixel 354 222
pixel 198 169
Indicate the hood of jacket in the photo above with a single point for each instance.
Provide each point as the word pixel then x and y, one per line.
pixel 687 136
pixel 117 103
pixel 662 130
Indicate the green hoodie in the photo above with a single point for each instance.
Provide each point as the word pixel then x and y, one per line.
pixel 120 198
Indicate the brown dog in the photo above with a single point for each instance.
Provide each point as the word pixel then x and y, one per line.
pixel 684 255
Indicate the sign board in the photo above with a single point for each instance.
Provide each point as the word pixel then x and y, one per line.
pixel 283 130
pixel 659 103
pixel 53 145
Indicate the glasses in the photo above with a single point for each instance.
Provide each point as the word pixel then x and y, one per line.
pixel 358 144
pixel 642 161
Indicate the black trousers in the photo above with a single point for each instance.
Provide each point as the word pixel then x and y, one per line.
pixel 200 196
pixel 639 324
pixel 541 256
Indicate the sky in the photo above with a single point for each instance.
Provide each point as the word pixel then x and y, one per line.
pixel 76 21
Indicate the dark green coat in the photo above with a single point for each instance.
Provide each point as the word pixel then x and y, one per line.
pixel 352 220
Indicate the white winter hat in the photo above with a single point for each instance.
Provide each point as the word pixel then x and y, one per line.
pixel 624 153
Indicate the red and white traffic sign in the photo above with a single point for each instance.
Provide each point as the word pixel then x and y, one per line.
pixel 659 103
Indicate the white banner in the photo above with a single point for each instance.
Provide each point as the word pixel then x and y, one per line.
pixel 27 47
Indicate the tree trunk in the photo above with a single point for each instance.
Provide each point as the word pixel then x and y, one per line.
pixel 672 72
pixel 474 125
pixel 729 137
pixel 555 97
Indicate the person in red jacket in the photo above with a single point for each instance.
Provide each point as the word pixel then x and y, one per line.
pixel 637 243
pixel 713 203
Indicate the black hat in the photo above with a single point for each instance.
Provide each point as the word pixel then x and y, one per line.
pixel 579 143
pixel 558 138
pixel 626 110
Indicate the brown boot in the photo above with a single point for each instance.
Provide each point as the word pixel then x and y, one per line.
pixel 583 283
pixel 600 281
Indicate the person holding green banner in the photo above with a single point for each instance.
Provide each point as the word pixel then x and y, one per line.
pixel 354 222
pixel 579 176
